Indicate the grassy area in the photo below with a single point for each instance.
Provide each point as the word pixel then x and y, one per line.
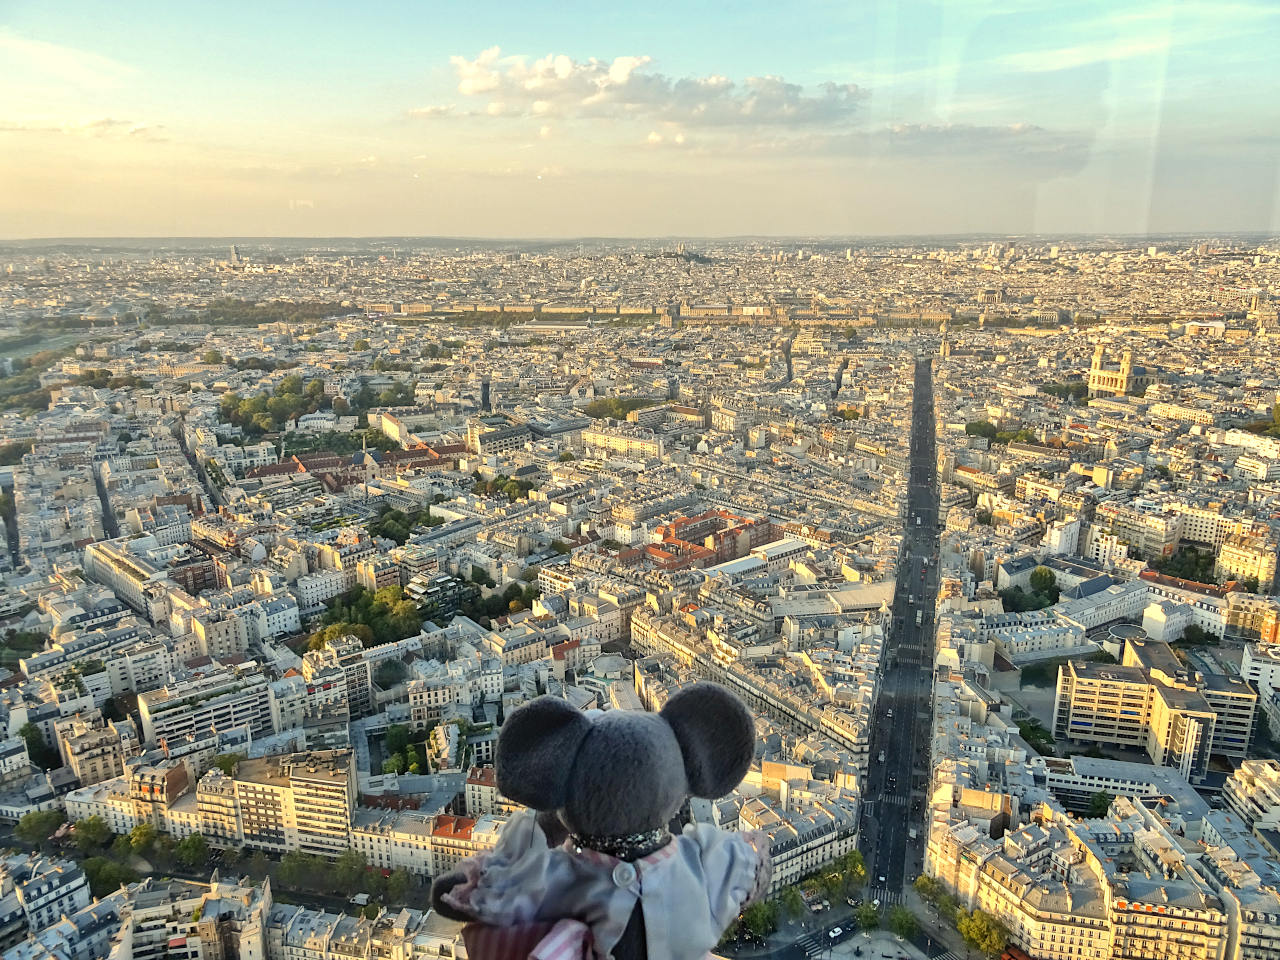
pixel 617 408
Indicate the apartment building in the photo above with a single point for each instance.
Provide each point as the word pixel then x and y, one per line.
pixel 347 655
pixel 624 439
pixel 35 891
pixel 1245 557
pixel 1253 617
pixel 423 844
pixel 296 801
pixel 184 920
pixel 94 752
pixel 1152 529
pixel 217 697
pixel 1253 793
pixel 1151 701
pixel 802 836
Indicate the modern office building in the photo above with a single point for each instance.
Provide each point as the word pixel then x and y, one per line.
pixel 1180 717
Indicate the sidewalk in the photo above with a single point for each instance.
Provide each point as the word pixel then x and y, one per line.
pixel 944 936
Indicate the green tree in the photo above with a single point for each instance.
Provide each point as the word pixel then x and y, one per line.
pixel 360 345
pixel 903 922
pixel 832 885
pixel 91 833
pixel 981 428
pixel 298 869
pixel 791 901
pixel 212 356
pixel 397 738
pixel 143 838
pixel 226 762
pixel 854 869
pixel 868 916
pixel 1099 804
pixel 36 827
pixel 41 754
pixel 349 868
pixel 121 848
pixel 106 876
pixel 760 919
pixel 399 886
pixel 1194 635
pixel 982 932
pixel 394 764
pixel 258 864
pixel 1043 580
pixel 192 850
pixel 928 888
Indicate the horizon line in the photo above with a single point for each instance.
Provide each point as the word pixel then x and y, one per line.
pixel 639 237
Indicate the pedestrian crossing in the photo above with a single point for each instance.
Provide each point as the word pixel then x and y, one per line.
pixel 897 799
pixel 887 897
pixel 948 955
pixel 813 943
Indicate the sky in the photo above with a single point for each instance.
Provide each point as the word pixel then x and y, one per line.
pixel 797 118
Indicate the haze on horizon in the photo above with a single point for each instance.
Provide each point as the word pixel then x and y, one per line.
pixel 504 120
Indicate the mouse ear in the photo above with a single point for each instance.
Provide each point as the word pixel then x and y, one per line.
pixel 536 747
pixel 716 735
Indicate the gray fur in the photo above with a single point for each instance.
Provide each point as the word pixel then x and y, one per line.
pixel 628 776
pixel 536 747
pixel 717 737
pixel 619 772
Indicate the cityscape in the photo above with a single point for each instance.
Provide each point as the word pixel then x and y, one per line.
pixel 508 481
pixel 983 531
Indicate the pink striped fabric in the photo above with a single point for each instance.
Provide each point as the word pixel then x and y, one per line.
pixel 563 940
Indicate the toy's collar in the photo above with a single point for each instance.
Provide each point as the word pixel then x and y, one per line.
pixel 631 846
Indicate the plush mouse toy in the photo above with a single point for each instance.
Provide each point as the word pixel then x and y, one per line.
pixel 592 869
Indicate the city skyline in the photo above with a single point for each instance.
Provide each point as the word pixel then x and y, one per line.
pixel 875 121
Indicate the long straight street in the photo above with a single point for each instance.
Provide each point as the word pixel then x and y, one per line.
pixel 893 801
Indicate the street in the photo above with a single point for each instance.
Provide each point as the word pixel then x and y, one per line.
pixel 893 799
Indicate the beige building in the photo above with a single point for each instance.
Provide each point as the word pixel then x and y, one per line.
pixel 1151 701
pixel 297 801
pixel 628 440
pixel 1106 380
pixel 1245 557
pixel 93 752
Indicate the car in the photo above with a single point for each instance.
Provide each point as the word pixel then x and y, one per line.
pixel 878 902
pixel 835 932
pixel 853 902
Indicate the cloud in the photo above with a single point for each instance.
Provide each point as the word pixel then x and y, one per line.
pixel 625 88
pixel 1085 54
pixel 25 56
pixel 1030 150
pixel 439 110
pixel 101 127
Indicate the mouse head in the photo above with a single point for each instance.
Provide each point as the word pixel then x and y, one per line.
pixel 624 771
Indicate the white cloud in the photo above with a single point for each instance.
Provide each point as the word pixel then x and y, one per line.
pixel 100 127
pixel 438 110
pixel 1081 55
pixel 23 56
pixel 625 88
